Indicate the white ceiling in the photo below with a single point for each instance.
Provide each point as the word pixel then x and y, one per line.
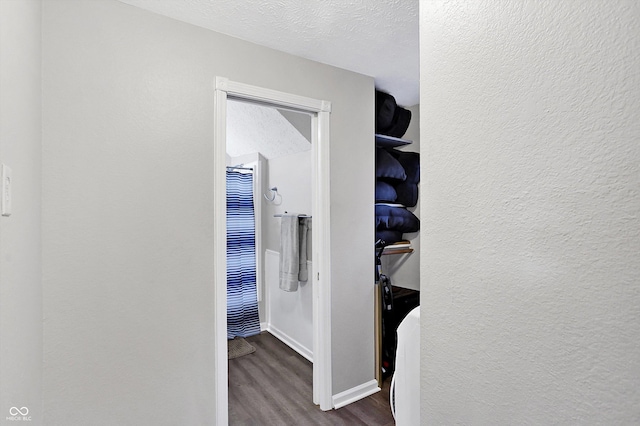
pixel 256 128
pixel 372 37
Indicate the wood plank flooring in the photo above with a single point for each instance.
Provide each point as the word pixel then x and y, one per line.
pixel 273 386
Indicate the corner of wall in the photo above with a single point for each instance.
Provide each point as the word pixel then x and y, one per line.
pixel 21 331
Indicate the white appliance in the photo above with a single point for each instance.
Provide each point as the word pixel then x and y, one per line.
pixel 405 385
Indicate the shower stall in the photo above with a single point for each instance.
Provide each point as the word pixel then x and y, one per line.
pixel 242 302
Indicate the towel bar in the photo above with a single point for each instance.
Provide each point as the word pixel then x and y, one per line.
pixel 300 215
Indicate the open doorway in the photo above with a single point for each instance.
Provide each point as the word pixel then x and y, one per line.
pixel 269 171
pixel 319 280
pixel 269 296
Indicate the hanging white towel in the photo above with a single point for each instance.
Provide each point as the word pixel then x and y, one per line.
pixel 303 273
pixel 289 252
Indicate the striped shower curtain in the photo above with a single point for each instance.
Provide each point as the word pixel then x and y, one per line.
pixel 242 303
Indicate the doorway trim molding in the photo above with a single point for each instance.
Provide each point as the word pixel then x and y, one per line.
pixel 320 111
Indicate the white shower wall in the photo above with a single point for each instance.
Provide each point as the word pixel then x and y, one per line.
pixel 290 314
pixel 291 174
pixel 287 315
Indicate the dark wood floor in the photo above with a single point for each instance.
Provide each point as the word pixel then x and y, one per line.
pixel 273 386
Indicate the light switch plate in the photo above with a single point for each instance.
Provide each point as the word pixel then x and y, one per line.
pixel 7 176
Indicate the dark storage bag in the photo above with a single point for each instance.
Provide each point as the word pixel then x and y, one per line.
pixel 385 193
pixel 388 167
pixel 400 123
pixel 407 191
pixel 410 162
pixel 385 111
pixel 407 194
pixel 396 218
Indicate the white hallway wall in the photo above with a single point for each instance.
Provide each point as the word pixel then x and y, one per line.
pixel 20 233
pixel 127 128
pixel 530 212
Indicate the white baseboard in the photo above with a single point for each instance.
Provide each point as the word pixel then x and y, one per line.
pixel 292 343
pixel 264 326
pixel 355 394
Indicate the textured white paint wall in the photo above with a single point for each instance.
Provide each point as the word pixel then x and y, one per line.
pixel 127 128
pixel 20 233
pixel 531 207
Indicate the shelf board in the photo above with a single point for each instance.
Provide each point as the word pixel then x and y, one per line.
pixel 384 141
pixel 400 251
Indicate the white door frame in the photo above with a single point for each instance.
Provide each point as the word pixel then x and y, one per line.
pixel 320 111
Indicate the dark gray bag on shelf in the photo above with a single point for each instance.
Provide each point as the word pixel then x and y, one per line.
pixel 400 123
pixel 391 119
pixel 385 111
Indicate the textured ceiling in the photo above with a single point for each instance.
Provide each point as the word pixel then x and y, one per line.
pixel 371 37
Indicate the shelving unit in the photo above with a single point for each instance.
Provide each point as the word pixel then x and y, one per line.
pixel 402 247
pixel 384 141
pixel 396 197
pixel 400 251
